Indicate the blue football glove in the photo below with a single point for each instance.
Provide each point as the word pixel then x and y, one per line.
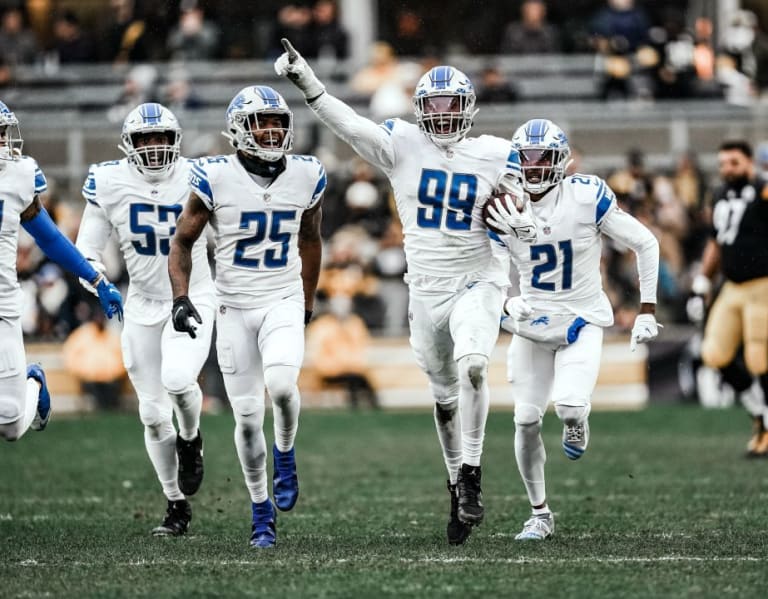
pixel 109 297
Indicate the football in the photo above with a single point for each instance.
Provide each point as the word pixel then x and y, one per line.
pixel 507 200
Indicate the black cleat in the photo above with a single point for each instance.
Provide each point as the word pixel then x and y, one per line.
pixel 176 521
pixel 470 496
pixel 190 463
pixel 457 531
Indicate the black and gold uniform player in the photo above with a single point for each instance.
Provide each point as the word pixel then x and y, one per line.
pixel 738 248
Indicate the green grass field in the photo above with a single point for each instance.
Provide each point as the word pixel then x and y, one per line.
pixel 662 504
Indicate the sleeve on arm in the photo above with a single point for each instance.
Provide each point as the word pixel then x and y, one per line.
pixel 624 228
pixel 200 185
pixel 322 183
pixel 94 232
pixel 89 188
pixel 41 185
pixel 372 142
pixel 606 203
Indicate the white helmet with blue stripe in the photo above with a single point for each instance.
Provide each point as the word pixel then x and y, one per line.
pixel 250 128
pixel 10 134
pixel 145 123
pixel 444 104
pixel 544 154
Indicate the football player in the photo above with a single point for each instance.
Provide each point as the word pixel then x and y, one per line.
pixel 264 207
pixel 559 317
pixel 738 249
pixel 441 179
pixel 139 198
pixel 24 398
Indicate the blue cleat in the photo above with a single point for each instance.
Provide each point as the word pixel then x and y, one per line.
pixel 575 439
pixel 35 371
pixel 285 482
pixel 263 533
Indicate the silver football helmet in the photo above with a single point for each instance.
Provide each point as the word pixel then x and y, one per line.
pixel 10 134
pixel 444 104
pixel 248 130
pixel 544 154
pixel 153 160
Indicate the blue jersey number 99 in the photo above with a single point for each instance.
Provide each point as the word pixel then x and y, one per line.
pixel 461 191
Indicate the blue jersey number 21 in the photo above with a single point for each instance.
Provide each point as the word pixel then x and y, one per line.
pixel 549 253
pixel 462 192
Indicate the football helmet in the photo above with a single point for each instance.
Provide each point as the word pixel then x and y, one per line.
pixel 246 129
pixel 544 154
pixel 10 134
pixel 151 160
pixel 444 104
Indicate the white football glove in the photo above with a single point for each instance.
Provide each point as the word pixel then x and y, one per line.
pixel 517 221
pixel 291 64
pixel 101 269
pixel 517 308
pixel 695 307
pixel 646 329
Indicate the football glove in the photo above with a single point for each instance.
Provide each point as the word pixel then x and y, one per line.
pixel 109 297
pixel 695 307
pixel 517 308
pixel 182 313
pixel 100 269
pixel 291 64
pixel 646 329
pixel 517 220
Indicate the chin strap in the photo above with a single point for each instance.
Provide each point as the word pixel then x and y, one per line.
pixel 262 168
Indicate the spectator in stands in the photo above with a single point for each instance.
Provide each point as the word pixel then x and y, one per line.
pixel 673 72
pixel 332 39
pixel 124 39
pixel 178 93
pixel 93 355
pixel 294 21
pixel 194 37
pixel 618 30
pixel 532 34
pixel 632 184
pixel 409 39
pixel 138 88
pixel 17 43
pixel 743 62
pixel 495 87
pixel 71 45
pixel 337 344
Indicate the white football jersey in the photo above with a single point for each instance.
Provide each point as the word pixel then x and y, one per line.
pixel 439 196
pixel 560 273
pixel 256 228
pixel 143 214
pixel 20 181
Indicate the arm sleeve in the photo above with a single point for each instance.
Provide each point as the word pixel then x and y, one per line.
pixel 322 183
pixel 624 228
pixel 371 141
pixel 200 184
pixel 57 247
pixel 94 233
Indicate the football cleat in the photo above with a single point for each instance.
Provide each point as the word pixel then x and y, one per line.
pixel 470 496
pixel 457 531
pixel 176 521
pixel 190 454
pixel 575 439
pixel 537 528
pixel 43 413
pixel 285 482
pixel 263 534
pixel 758 443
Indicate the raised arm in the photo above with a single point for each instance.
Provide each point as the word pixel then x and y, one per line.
pixel 311 253
pixel 371 141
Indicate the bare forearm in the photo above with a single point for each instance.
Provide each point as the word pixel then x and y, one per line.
pixel 180 268
pixel 311 252
pixel 710 261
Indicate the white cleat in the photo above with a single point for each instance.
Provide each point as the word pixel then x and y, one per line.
pixel 575 439
pixel 537 528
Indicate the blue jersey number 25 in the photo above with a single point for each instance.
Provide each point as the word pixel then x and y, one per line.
pixel 549 253
pixel 461 190
pixel 272 259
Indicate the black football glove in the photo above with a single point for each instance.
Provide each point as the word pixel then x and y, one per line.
pixel 182 314
pixel 307 316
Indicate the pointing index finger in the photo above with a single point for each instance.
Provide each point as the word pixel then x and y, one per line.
pixel 293 56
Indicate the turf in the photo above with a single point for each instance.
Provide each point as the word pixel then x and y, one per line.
pixel 662 505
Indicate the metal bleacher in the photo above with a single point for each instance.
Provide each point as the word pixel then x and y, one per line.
pixel 64 111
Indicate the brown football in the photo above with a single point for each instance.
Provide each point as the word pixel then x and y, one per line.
pixel 505 199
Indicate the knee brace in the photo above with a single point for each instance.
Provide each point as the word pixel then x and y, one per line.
pixel 527 414
pixel 178 380
pixel 281 383
pixel 245 406
pixel 572 414
pixel 9 409
pixel 473 368
pixel 446 396
pixel 153 412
